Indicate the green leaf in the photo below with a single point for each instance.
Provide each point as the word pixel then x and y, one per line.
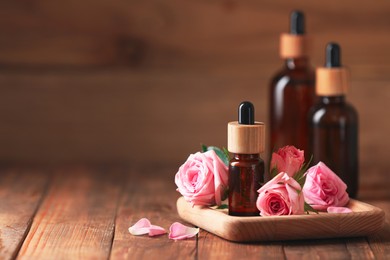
pixel 204 148
pixel 225 193
pixel 221 153
pixel 223 206
pixel 274 172
pixel 306 165
pixel 309 208
pixel 226 152
pixel 300 176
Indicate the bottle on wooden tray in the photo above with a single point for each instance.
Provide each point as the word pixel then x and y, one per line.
pixel 292 89
pixel 334 123
pixel 246 168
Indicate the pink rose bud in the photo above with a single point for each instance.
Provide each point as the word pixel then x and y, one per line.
pixel 178 231
pixel 203 179
pixel 288 159
pixel 280 196
pixel 323 188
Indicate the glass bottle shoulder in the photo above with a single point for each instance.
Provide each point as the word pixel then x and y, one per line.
pixel 333 113
pixel 290 77
pixel 243 160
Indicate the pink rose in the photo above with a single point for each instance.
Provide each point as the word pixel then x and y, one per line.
pixel 323 188
pixel 203 179
pixel 280 196
pixel 288 159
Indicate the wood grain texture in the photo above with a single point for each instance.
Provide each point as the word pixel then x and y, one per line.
pixel 364 220
pixel 97 116
pixel 76 220
pixel 192 34
pixel 211 246
pixel 380 243
pixel 77 216
pixel 21 191
pixel 152 196
pixel 350 248
pixel 91 81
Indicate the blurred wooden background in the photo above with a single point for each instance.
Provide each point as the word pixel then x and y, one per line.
pixel 148 81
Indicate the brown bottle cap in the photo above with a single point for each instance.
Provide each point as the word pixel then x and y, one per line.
pixel 331 81
pixel 246 139
pixel 293 45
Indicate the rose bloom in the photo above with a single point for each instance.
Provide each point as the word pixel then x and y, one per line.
pixel 203 179
pixel 323 188
pixel 288 159
pixel 280 196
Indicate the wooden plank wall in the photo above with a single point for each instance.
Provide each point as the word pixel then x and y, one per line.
pixel 141 81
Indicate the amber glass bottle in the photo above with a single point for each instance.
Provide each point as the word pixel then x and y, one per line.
pixel 246 168
pixel 245 178
pixel 292 90
pixel 334 123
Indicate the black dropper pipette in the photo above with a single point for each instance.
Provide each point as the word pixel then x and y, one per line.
pixel 333 55
pixel 297 22
pixel 246 113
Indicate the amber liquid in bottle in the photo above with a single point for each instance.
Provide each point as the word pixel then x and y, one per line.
pixel 291 97
pixel 245 178
pixel 334 138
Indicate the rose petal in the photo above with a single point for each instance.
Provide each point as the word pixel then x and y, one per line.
pixel 339 210
pixel 156 231
pixel 142 227
pixel 179 231
pixel 277 162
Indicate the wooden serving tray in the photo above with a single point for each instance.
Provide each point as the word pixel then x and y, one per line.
pixel 364 220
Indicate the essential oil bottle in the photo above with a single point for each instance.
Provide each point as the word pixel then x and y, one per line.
pixel 334 122
pixel 246 168
pixel 292 89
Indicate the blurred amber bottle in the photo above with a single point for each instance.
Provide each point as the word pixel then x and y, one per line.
pixel 292 90
pixel 334 122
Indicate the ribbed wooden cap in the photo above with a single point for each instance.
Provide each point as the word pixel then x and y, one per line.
pixel 246 139
pixel 293 45
pixel 332 81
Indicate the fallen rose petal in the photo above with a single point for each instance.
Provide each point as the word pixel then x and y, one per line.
pixel 339 210
pixel 142 227
pixel 156 230
pixel 179 231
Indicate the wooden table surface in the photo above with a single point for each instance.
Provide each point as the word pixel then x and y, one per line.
pixel 84 212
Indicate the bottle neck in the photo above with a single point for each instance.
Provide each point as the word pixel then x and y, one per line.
pixel 297 63
pixel 333 99
pixel 246 156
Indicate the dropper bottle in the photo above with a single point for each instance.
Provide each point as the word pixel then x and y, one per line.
pixel 334 122
pixel 246 168
pixel 292 89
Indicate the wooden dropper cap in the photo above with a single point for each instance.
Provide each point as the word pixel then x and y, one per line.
pixel 332 80
pixel 246 136
pixel 294 44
